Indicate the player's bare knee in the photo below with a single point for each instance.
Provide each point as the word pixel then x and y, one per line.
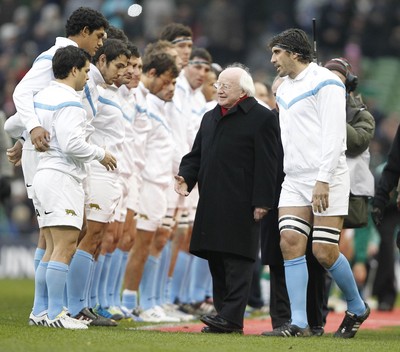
pixel 326 245
pixel 294 233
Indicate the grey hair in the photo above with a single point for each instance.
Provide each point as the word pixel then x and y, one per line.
pixel 246 81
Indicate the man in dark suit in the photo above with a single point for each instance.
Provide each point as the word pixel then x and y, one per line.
pixel 234 161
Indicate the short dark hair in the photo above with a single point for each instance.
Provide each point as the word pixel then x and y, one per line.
pixel 85 17
pixel 112 48
pixel 117 33
pixel 296 41
pixel 67 58
pixel 161 62
pixel 175 30
pixel 201 53
pixel 133 49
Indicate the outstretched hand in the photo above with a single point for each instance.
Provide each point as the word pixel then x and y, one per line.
pixel 181 186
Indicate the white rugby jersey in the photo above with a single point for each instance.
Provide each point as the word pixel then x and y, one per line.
pixel 159 144
pixel 37 78
pixel 210 105
pixel 141 126
pixel 90 96
pixel 312 117
pixel 179 123
pixel 128 107
pixel 109 129
pixel 59 110
pixel 195 107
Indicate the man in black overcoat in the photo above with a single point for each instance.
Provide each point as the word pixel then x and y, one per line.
pixel 234 161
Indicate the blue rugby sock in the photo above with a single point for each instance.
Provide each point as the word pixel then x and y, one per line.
pixel 39 253
pixel 296 275
pixel 56 278
pixel 98 267
pixel 102 292
pixel 116 259
pixel 181 267
pixel 147 284
pixel 167 291
pixel 121 275
pixel 129 299
pixel 343 276
pixel 199 279
pixel 185 284
pixel 162 274
pixel 78 281
pixel 40 303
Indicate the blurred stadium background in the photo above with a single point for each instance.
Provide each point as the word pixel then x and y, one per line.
pixel 366 32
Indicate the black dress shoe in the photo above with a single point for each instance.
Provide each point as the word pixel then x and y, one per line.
pixel 210 330
pixel 218 323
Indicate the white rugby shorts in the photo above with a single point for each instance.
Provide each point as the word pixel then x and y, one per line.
pixel 103 199
pixel 298 193
pixel 29 162
pixel 58 199
pixel 152 206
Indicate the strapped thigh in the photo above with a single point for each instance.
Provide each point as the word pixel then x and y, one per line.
pixel 294 223
pixel 168 222
pixel 326 234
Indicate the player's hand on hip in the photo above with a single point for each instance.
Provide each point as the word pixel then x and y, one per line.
pixel 14 153
pixel 109 161
pixel 40 139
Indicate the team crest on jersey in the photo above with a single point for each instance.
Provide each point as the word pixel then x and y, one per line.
pixel 70 212
pixel 94 206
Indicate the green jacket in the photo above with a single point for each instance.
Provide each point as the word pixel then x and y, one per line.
pixel 360 126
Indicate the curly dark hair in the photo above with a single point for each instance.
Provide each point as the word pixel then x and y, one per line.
pixel 296 41
pixel 85 17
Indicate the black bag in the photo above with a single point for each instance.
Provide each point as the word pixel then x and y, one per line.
pixel 358 212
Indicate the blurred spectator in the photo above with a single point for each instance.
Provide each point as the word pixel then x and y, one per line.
pixel 6 173
pixel 223 26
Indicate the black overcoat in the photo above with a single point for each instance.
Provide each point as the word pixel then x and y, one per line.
pixel 234 161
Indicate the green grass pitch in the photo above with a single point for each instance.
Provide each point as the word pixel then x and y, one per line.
pixel 15 335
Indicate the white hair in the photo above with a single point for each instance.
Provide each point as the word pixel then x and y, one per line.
pixel 246 81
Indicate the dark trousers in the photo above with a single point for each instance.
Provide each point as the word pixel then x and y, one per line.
pixel 231 277
pixel 255 297
pixel 384 286
pixel 279 305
